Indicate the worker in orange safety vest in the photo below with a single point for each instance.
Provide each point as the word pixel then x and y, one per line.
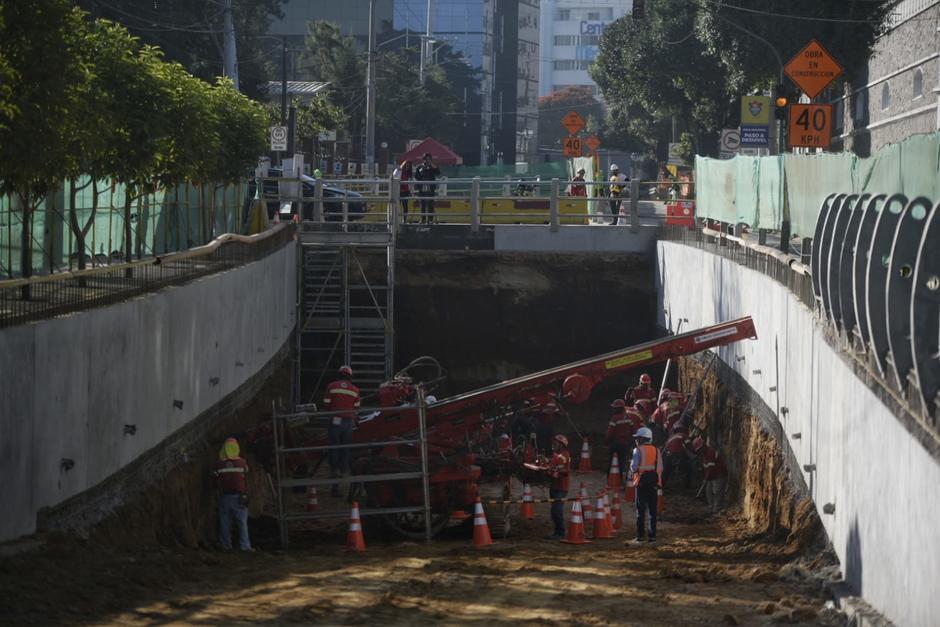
pixel 559 468
pixel 342 397
pixel 646 468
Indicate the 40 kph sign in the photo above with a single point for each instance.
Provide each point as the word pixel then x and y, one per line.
pixel 810 126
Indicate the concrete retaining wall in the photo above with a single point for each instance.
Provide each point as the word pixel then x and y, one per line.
pixel 880 479
pixel 70 385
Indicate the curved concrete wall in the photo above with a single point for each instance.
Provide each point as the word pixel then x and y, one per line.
pixel 68 386
pixel 882 481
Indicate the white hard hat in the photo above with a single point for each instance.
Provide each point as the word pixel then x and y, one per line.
pixel 430 399
pixel 613 166
pixel 643 432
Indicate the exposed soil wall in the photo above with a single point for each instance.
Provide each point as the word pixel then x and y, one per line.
pixel 772 496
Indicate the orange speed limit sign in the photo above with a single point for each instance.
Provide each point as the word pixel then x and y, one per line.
pixel 810 126
pixel 572 146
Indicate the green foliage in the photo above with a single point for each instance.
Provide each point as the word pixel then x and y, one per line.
pixel 405 109
pixel 242 135
pixel 190 33
pixel 555 106
pixel 691 60
pixel 313 117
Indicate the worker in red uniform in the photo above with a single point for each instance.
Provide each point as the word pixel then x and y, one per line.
pixel 716 474
pixel 660 418
pixel 642 391
pixel 619 438
pixel 559 468
pixel 229 472
pixel 646 468
pixel 677 455
pixel 636 417
pixel 645 407
pixel 342 397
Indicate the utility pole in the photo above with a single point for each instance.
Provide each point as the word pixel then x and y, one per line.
pixel 370 94
pixel 425 43
pixel 231 56
pixel 284 81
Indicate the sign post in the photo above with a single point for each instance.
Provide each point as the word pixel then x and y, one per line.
pixel 572 146
pixel 813 68
pixel 810 126
pixel 573 122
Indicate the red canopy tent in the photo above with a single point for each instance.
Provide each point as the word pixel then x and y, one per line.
pixel 440 154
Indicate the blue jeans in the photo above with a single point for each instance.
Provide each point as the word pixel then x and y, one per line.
pixel 558 510
pixel 230 506
pixel 340 434
pixel 645 500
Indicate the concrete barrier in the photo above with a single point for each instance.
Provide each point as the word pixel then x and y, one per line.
pixel 858 459
pixel 83 396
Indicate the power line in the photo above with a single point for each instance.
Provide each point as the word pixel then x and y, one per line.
pixel 788 16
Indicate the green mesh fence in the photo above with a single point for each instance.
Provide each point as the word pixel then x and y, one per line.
pixel 756 190
pixel 168 220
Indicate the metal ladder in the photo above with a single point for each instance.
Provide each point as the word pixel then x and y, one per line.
pixel 346 317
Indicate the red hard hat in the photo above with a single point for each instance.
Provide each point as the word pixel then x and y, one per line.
pixel 645 379
pixel 346 370
pixel 698 443
pixel 561 440
pixel 618 403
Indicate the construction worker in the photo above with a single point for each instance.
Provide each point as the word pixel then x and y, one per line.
pixel 642 391
pixel 578 188
pixel 716 474
pixel 646 468
pixel 660 418
pixel 644 406
pixel 342 397
pixel 620 432
pixel 427 172
pixel 230 471
pixel 559 468
pixel 678 455
pixel 615 192
pixel 636 417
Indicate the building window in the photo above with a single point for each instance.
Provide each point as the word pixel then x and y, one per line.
pixel 565 40
pixel 584 64
pixel 861 107
pixel 564 15
pixel 885 96
pixel 594 15
pixel 565 64
pixel 590 40
pixel 918 84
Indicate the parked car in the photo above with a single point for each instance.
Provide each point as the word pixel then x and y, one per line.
pixel 332 200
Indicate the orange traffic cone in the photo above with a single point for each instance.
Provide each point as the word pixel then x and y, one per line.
pixel 585 464
pixel 660 501
pixel 613 476
pixel 608 516
pixel 312 503
pixel 481 531
pixel 576 525
pixel 588 511
pixel 629 495
pixel 528 507
pixel 601 530
pixel 354 539
pixel 617 512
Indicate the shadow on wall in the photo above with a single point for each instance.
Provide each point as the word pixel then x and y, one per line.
pixel 853 558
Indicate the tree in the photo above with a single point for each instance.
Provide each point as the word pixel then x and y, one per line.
pixel 312 117
pixel 331 57
pixel 39 40
pixel 190 32
pixel 692 61
pixel 555 106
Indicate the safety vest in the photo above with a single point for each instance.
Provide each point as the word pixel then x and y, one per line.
pixel 560 467
pixel 615 189
pixel 649 462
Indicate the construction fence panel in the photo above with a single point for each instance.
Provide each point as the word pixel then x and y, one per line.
pixel 756 190
pixel 166 220
pixel 715 199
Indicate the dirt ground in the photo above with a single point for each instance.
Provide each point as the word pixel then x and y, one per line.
pixel 703 571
